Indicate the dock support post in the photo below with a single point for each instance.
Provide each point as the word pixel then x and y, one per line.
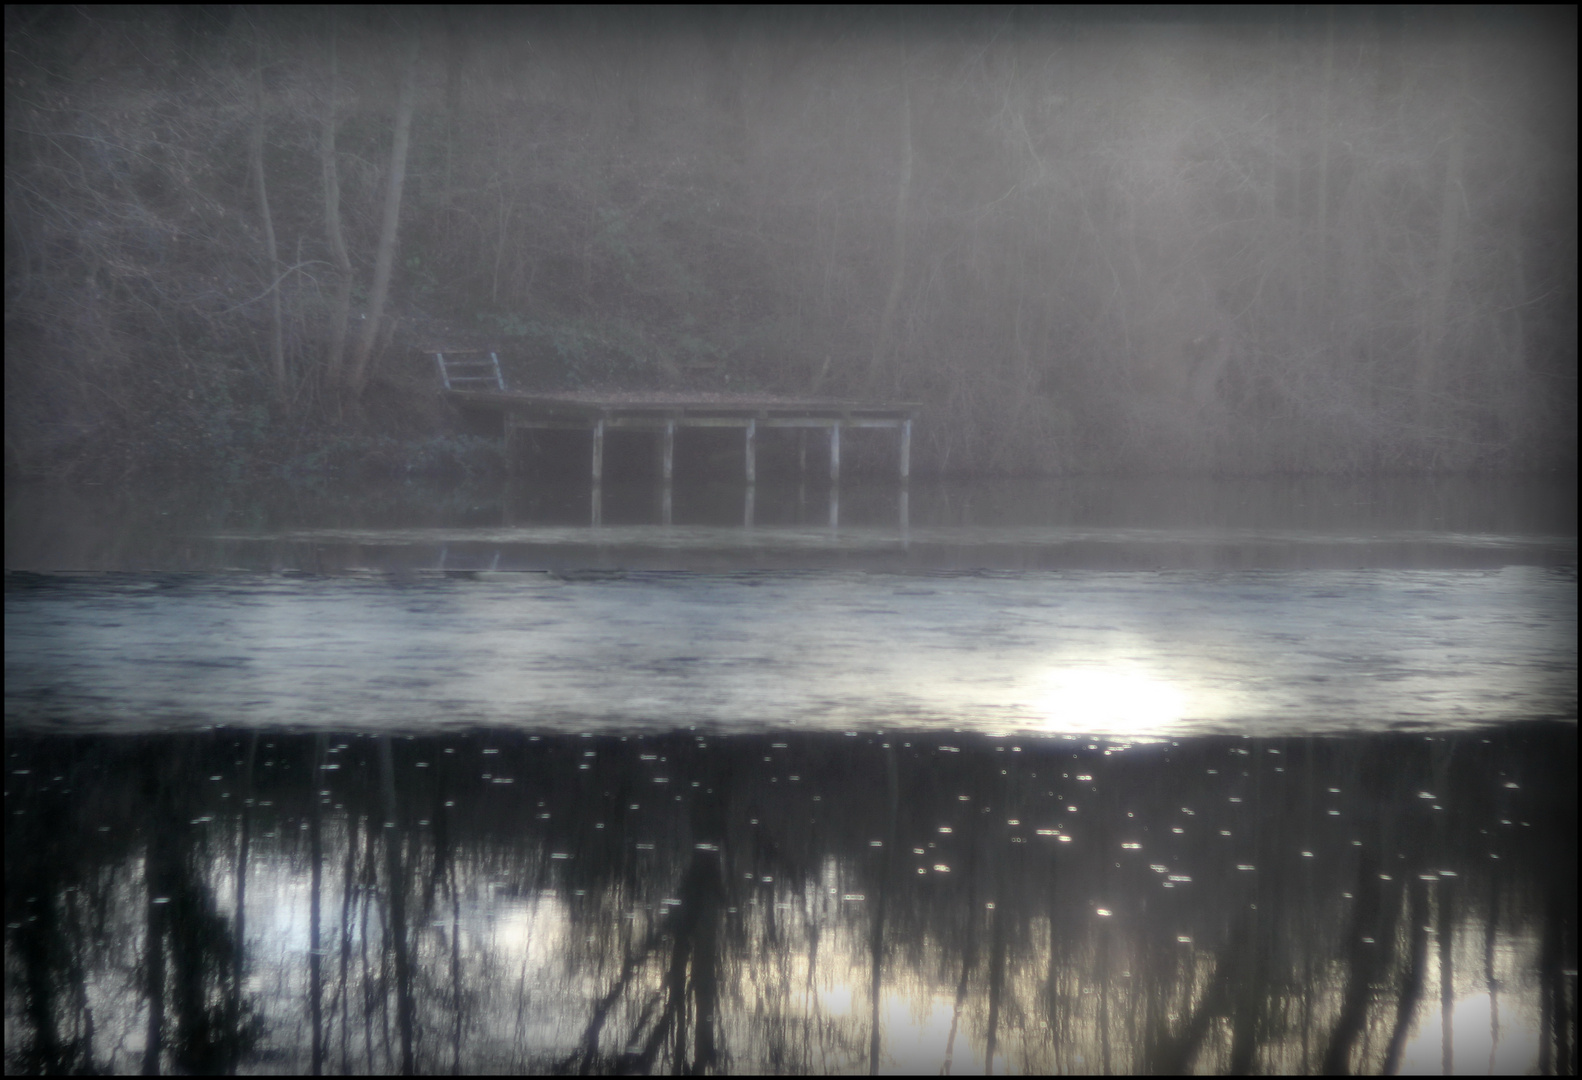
pixel 752 453
pixel 747 506
pixel 834 506
pixel 801 473
pixel 906 451
pixel 597 497
pixel 834 452
pixel 667 469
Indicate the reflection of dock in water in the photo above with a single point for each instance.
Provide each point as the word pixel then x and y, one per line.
pixel 663 413
pixel 672 546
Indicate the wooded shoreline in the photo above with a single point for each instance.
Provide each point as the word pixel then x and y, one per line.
pixel 1326 241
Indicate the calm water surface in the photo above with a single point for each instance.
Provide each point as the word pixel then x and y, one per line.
pixel 1078 776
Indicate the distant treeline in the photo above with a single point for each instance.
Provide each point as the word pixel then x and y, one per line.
pixel 1317 240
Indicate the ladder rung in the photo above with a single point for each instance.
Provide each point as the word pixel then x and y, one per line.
pixel 456 371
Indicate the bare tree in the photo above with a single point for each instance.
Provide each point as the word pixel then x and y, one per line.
pixel 357 373
pixel 266 221
pixel 881 341
pixel 334 232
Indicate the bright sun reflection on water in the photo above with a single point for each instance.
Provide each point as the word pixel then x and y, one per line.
pixel 1121 698
pixel 1474 1048
pixel 915 1032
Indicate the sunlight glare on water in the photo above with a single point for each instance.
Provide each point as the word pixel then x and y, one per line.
pixel 1474 1049
pixel 1129 654
pixel 1119 697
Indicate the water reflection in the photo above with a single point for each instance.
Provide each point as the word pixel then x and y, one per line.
pixel 790 902
pixel 1077 523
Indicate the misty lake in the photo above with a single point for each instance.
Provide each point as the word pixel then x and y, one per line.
pixel 1033 776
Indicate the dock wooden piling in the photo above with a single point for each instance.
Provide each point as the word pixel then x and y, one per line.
pixel 664 413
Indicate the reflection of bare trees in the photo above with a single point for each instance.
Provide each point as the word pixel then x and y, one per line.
pixel 1416 972
pixel 692 904
pixel 315 889
pixel 1557 950
pixel 396 887
pixel 195 1019
pixel 1557 988
pixel 42 955
pixel 883 882
pixel 244 814
pixel 685 999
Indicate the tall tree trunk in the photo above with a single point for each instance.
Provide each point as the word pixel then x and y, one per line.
pixel 277 351
pixel 357 375
pixel 455 50
pixel 725 86
pixel 1318 290
pixel 881 341
pixel 1431 341
pixel 335 359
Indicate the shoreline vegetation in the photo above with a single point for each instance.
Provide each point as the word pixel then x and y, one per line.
pixel 1318 241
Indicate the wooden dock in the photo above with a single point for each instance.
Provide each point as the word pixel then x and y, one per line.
pixel 476 384
pixel 664 413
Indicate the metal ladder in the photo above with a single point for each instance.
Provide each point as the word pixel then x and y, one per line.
pixel 469 374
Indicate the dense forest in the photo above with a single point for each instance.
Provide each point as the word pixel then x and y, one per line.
pixel 1301 240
